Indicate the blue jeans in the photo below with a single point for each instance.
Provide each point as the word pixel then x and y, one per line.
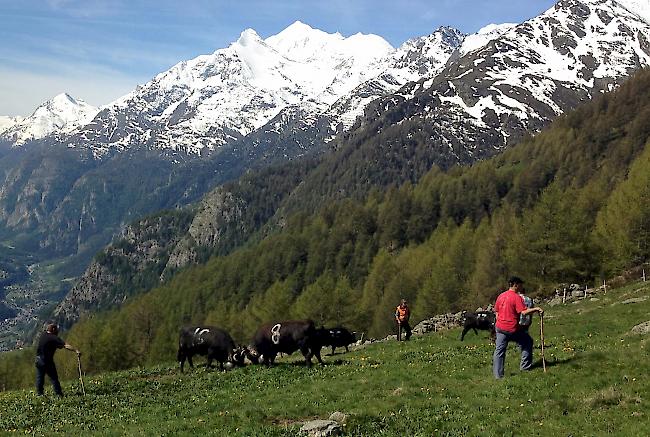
pixel 525 342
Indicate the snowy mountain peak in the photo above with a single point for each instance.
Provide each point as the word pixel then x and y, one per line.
pixel 62 113
pixel 484 36
pixel 303 43
pixel 558 58
pixel 298 28
pixel 249 37
pixel 639 7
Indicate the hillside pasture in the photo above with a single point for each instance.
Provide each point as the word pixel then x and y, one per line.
pixel 596 384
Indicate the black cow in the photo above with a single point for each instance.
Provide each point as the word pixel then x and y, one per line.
pixel 337 337
pixel 483 320
pixel 211 341
pixel 286 337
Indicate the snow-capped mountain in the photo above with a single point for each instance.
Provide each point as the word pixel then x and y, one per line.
pixel 525 77
pixel 7 122
pixel 483 37
pixel 215 99
pixel 416 58
pixel 59 115
pixel 304 76
pixel 639 7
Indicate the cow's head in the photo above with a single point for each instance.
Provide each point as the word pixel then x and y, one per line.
pixel 324 336
pixel 251 353
pixel 238 356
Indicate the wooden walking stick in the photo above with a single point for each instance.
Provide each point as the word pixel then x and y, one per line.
pixel 83 390
pixel 541 334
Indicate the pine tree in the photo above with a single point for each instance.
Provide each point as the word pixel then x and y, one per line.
pixel 623 226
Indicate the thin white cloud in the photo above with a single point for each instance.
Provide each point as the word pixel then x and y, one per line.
pixel 22 90
pixel 84 8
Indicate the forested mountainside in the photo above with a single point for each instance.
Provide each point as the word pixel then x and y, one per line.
pixel 569 205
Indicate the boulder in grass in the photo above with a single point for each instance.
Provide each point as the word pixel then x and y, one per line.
pixel 642 328
pixel 339 417
pixel 635 300
pixel 321 428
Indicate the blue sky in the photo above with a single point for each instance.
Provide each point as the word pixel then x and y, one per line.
pixel 99 50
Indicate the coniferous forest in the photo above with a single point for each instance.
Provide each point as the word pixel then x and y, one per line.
pixel 570 205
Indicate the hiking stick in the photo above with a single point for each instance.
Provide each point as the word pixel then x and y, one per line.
pixel 541 334
pixel 399 331
pixel 83 390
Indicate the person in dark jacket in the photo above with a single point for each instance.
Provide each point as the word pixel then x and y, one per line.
pixel 48 343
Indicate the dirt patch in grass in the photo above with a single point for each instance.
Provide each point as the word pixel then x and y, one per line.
pixel 287 422
pixel 611 397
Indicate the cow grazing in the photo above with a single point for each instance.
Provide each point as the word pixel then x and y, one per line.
pixel 286 337
pixel 213 342
pixel 483 320
pixel 337 337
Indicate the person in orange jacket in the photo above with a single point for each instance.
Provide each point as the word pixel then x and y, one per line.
pixel 402 315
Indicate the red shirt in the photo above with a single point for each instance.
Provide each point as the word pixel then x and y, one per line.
pixel 508 306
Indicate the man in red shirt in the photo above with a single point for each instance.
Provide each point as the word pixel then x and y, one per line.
pixel 508 307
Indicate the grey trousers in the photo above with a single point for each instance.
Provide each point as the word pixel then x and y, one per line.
pixel 525 342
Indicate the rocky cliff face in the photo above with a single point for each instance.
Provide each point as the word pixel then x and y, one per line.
pixel 134 262
pixel 151 250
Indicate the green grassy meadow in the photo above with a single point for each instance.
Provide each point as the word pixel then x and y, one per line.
pixel 597 383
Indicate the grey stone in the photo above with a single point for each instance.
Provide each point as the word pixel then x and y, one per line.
pixel 321 428
pixel 642 328
pixel 635 300
pixel 339 417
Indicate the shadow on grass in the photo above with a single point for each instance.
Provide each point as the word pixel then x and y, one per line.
pixel 555 362
pixel 336 353
pixel 337 362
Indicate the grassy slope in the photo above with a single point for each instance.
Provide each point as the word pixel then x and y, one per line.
pixel 597 383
